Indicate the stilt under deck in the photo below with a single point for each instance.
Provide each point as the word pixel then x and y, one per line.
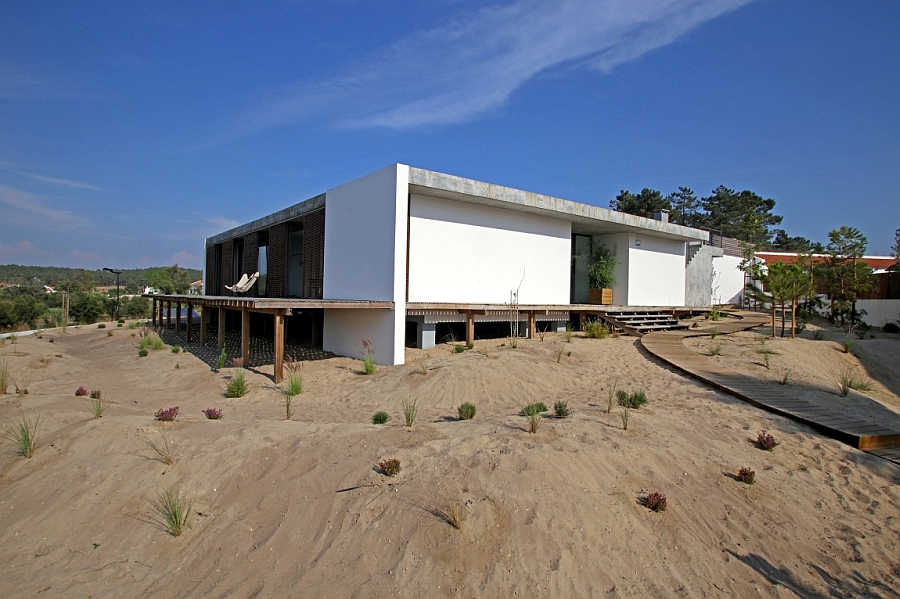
pixel 278 308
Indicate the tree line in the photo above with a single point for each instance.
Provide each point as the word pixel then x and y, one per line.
pixel 26 304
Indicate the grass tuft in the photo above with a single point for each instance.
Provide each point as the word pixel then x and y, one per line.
pixel 631 400
pixel 173 509
pixel 534 408
pixel 715 349
pixel 596 329
pixel 561 408
pixel 164 448
pixel 380 417
pixel 21 433
pixel 368 359
pixel 97 406
pixel 849 378
pixel 410 407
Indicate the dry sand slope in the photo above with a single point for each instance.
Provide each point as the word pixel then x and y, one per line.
pixel 297 508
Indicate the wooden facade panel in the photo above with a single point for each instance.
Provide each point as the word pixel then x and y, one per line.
pixel 251 258
pixel 313 254
pixel 227 277
pixel 211 275
pixel 278 257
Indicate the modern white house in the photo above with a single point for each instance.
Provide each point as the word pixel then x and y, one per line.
pixel 392 255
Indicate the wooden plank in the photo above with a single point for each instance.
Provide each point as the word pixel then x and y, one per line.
pixel 470 328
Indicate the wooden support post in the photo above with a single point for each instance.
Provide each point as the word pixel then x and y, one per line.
pixel 153 311
pixel 221 328
pixel 531 325
pixel 177 316
pixel 279 348
pixel 190 321
pixel 169 315
pixel 245 337
pixel 470 327
pixel 204 324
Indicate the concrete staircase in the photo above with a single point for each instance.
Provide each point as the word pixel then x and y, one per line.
pixel 640 322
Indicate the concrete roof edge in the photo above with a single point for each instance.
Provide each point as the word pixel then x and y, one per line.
pixel 573 211
pixel 291 212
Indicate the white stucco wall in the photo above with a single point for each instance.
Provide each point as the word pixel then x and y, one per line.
pixel 365 259
pixel 656 271
pixel 729 279
pixel 879 312
pixel 461 252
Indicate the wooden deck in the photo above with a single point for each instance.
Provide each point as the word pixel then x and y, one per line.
pixel 867 435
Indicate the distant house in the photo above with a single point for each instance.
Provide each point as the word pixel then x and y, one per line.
pixel 881 302
pixel 394 255
pixel 196 287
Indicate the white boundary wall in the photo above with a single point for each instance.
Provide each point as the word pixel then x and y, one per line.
pixel 657 271
pixel 462 252
pixel 729 279
pixel 878 312
pixel 365 259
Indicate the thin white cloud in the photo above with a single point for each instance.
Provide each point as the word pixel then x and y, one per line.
pixel 23 251
pixel 31 206
pixel 474 63
pixel 63 182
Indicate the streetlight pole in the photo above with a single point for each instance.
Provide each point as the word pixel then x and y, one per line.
pixel 117 273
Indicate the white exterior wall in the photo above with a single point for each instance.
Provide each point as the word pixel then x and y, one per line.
pixel 462 252
pixel 878 312
pixel 365 259
pixel 729 279
pixel 656 271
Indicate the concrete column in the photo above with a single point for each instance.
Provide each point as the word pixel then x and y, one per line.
pixel 426 334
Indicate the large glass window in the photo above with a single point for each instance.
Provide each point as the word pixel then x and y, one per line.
pixel 262 264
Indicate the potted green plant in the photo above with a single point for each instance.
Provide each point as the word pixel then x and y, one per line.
pixel 601 275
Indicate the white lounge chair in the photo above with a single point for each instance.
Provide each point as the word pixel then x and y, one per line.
pixel 244 284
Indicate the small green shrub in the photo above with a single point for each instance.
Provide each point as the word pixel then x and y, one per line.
pixel 568 333
pixel 459 348
pixel 891 327
pixel 173 508
pixel 631 400
pixel 466 411
pixel 561 408
pixel 389 467
pixel 380 417
pixel 120 321
pixel 533 422
pixel 101 326
pixel 176 349
pixel 534 408
pixel 237 386
pixel 220 360
pixel 143 352
pixel 596 329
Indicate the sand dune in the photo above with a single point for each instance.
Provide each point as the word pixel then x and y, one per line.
pixel 298 509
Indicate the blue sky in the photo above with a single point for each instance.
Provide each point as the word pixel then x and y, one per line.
pixel 129 131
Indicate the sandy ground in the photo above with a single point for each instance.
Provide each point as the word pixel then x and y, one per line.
pixel 298 509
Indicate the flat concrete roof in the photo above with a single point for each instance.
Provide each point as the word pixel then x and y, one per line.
pixel 585 218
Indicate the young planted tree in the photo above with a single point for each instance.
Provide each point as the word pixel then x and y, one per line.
pixel 845 273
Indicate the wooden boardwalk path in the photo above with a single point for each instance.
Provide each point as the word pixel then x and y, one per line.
pixel 867 435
